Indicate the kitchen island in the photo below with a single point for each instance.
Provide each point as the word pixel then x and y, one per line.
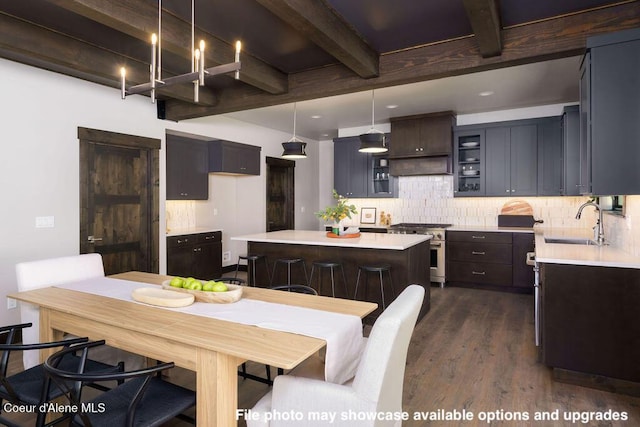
pixel 408 255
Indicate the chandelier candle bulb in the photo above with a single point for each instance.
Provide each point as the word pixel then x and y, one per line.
pixel 201 64
pixel 237 58
pixel 123 75
pixel 152 78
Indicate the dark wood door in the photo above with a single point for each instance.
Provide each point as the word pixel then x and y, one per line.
pixel 280 194
pixel 119 206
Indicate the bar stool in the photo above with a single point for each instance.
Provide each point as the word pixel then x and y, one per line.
pixel 380 269
pixel 252 261
pixel 289 262
pixel 330 265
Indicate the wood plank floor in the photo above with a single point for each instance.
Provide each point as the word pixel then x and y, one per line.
pixel 475 351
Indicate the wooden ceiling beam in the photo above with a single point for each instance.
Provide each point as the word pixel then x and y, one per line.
pixel 485 21
pixel 322 25
pixel 544 40
pixel 139 19
pixel 39 47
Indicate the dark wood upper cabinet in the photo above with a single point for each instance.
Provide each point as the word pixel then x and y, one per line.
pixel 424 135
pixel 234 158
pixel 187 169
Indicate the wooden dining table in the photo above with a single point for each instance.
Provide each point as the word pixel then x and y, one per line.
pixel 211 348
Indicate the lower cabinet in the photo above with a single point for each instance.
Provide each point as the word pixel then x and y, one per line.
pixel 591 324
pixel 491 259
pixel 195 255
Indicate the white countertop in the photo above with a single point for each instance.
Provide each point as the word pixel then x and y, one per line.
pixel 490 228
pixel 559 253
pixel 319 238
pixel 194 230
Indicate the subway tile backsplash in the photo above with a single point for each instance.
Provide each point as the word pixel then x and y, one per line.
pixel 430 199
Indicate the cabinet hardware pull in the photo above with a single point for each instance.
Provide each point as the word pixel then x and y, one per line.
pixel 478 237
pixel 182 241
pixel 93 239
pixel 478 273
pixel 477 253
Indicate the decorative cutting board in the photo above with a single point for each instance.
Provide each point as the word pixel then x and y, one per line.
pixel 516 207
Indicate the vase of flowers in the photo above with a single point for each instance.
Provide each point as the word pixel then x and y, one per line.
pixel 337 213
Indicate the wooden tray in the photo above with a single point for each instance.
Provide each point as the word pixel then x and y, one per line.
pixel 232 295
pixel 342 236
pixel 162 297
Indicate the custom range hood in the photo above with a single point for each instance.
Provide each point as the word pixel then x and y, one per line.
pixel 422 144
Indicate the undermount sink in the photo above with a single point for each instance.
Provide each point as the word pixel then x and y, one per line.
pixel 570 241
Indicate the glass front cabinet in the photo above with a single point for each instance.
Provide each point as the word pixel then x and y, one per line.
pixel 382 182
pixel 469 178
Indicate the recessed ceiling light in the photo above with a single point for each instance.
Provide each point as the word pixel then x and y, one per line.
pixel 392 106
pixel 325 134
pixel 316 116
pixel 486 93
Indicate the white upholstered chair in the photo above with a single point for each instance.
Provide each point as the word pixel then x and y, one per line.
pixel 376 387
pixel 53 271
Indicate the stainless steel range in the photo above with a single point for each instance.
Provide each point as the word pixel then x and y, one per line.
pixel 437 245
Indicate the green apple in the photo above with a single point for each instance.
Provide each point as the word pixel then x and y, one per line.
pixel 220 287
pixel 196 285
pixel 208 287
pixel 177 282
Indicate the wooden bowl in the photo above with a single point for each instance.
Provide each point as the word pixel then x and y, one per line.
pixel 232 295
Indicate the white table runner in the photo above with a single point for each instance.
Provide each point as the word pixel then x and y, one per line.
pixel 342 333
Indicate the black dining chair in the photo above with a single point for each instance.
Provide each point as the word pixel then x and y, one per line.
pixel 144 399
pixel 301 289
pixel 30 386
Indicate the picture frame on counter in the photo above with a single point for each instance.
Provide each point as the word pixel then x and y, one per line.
pixel 368 216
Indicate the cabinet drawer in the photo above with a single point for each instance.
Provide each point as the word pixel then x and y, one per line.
pixel 179 241
pixel 215 236
pixel 478 236
pixel 476 272
pixel 480 252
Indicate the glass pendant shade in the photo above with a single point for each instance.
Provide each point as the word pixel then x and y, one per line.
pixel 294 150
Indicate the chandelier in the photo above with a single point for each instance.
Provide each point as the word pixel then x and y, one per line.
pixel 198 70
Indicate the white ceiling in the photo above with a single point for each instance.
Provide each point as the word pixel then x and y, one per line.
pixel 542 83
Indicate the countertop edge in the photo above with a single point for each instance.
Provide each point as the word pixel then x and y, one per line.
pixel 369 242
pixel 488 228
pixel 187 231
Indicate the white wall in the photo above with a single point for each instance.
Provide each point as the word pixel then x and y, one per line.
pixel 39 165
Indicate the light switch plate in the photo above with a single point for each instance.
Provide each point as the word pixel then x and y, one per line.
pixel 44 222
pixel 11 303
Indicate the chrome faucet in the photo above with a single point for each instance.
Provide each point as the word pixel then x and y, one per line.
pixel 598 230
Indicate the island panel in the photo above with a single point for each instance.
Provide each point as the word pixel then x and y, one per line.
pixel 408 266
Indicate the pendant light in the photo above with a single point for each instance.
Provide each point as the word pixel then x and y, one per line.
pixel 294 148
pixel 374 140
